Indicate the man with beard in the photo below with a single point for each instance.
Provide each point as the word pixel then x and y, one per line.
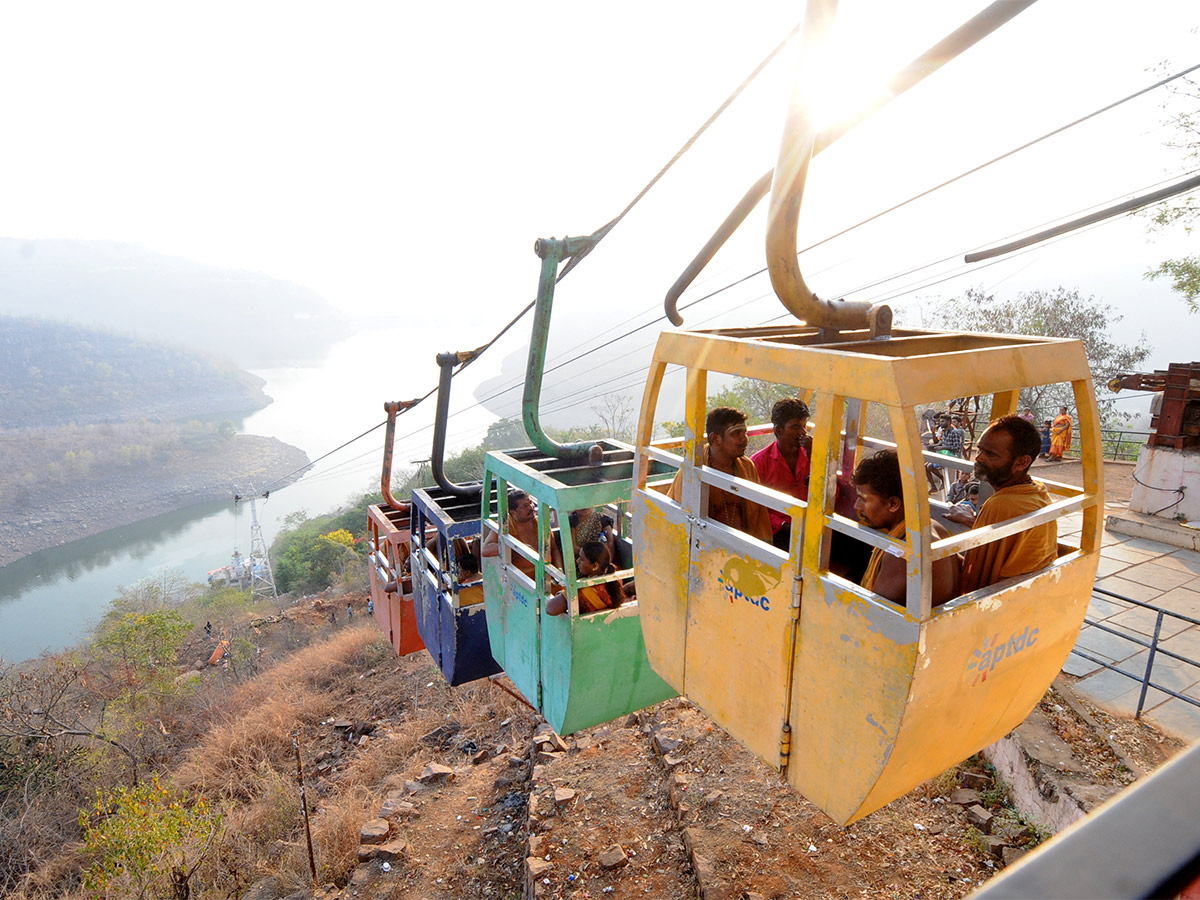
pixel 522 524
pixel 880 505
pixel 1005 452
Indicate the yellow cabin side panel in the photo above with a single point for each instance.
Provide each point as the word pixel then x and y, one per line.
pixel 739 637
pixel 853 671
pixel 661 556
pixel 983 666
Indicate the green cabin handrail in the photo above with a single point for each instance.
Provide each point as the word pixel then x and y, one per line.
pixel 552 251
pixel 447 362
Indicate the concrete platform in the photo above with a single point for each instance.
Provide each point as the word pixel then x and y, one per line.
pixel 1154 528
pixel 1136 564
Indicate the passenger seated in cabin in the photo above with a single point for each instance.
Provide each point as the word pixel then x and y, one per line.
pixel 468 568
pixel 593 562
pixel 1005 452
pixel 522 524
pixel 958 489
pixel 586 525
pixel 880 505
pixel 608 533
pixel 725 451
pixel 470 585
pixel 784 464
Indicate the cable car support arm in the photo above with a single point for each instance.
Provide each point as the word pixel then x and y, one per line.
pixel 447 362
pixel 385 481
pixel 551 251
pixel 968 34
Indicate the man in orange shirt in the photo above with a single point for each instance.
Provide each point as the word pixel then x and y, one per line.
pixel 725 451
pixel 1005 452
pixel 880 505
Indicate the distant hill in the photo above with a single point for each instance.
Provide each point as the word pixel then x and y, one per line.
pixel 256 320
pixel 53 373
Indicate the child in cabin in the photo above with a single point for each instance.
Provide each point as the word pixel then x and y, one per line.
pixel 958 490
pixel 594 561
pixel 468 568
pixel 470 584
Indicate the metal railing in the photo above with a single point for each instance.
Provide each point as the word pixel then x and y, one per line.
pixel 1118 445
pixel 1152 645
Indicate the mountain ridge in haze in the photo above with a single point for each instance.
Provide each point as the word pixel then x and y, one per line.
pixel 256 320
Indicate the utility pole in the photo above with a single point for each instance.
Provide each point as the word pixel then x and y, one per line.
pixel 262 579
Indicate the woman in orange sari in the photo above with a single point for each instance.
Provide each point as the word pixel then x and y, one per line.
pixel 594 561
pixel 1060 435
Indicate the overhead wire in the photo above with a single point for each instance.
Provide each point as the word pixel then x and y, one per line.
pixel 687 145
pixel 924 193
pixel 598 235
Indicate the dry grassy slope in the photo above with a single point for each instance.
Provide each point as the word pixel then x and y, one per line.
pixel 661 804
pixel 470 835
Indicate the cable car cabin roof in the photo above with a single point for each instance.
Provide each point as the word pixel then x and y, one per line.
pixel 911 366
pixel 570 486
pixel 388 518
pixel 616 466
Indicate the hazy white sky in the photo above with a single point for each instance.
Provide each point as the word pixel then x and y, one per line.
pixel 401 158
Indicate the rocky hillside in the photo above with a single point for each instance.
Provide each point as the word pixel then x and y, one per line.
pixel 55 373
pixel 417 790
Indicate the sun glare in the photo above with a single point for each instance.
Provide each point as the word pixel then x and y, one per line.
pixel 846 74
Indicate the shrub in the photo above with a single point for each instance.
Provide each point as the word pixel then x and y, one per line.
pixel 145 842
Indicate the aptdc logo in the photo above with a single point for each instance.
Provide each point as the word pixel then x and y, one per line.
pixel 745 581
pixel 990 654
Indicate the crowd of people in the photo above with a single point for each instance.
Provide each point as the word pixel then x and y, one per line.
pixel 1003 456
pixel 873 493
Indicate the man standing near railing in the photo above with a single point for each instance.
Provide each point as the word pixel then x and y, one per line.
pixel 1006 451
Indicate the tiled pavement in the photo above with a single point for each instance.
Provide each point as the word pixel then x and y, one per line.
pixel 1153 573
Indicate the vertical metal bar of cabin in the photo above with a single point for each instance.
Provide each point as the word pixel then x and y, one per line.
pixel 1004 403
pixel 645 432
pixel 693 494
pixel 855 427
pixel 827 422
pixel 1091 456
pixel 918 594
pixel 1149 663
pixel 544 538
pixel 502 524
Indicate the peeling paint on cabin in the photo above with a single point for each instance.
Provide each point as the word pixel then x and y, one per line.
pixel 871 721
pixel 624 611
pixel 892 625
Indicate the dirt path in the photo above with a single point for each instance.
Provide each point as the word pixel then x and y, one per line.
pixel 1118 477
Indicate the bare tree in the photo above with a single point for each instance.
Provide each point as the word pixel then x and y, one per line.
pixel 616 412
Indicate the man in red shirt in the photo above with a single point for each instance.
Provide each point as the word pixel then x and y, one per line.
pixel 784 464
